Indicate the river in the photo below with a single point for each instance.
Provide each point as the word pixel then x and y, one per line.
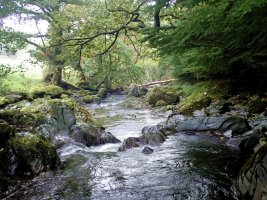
pixel 185 167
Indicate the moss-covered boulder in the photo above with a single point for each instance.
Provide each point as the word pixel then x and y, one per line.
pixel 86 86
pixel 88 99
pixel 102 93
pixel 22 120
pixel 27 155
pixel 188 109
pixel 167 95
pixel 42 90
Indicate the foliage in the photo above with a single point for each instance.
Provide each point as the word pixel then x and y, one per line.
pixel 211 39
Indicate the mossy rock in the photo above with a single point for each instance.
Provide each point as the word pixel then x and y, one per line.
pixel 88 99
pixel 34 154
pixel 167 94
pixel 51 90
pixel 161 103
pixel 195 105
pixel 102 93
pixel 256 106
pixel 4 102
pixel 20 118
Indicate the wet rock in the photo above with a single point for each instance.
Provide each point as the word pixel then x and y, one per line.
pixel 6 131
pixel 87 99
pixel 153 135
pixel 97 100
pixel 62 117
pixel 89 135
pixel 102 93
pixel 201 124
pixel 134 91
pixel 256 106
pixel 27 155
pixel 129 143
pixel 147 150
pixel 143 91
pixel 251 182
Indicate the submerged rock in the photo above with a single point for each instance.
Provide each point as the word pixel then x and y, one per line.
pixel 147 150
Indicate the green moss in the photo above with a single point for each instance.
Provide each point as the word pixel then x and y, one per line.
pixel 50 90
pixel 161 103
pixel 88 99
pixel 4 101
pixel 102 93
pixel 168 95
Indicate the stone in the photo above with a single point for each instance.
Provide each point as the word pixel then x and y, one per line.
pixel 102 93
pixel 62 117
pixel 153 135
pixel 256 106
pixel 201 124
pixel 6 131
pixel 87 99
pixel 167 95
pixel 251 182
pixel 50 90
pixel 133 91
pixel 147 150
pixel 28 155
pixel 129 143
pixel 90 135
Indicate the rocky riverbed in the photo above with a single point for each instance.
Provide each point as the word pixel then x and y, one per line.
pixel 172 151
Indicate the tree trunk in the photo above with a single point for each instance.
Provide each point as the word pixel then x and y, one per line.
pixel 57 77
pixel 157 17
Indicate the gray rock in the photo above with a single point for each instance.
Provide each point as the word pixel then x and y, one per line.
pixel 134 91
pixel 62 117
pixel 202 124
pixel 153 135
pixel 89 135
pixel 147 150
pixel 251 182
pixel 130 142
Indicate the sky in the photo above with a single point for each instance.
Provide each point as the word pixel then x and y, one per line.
pixel 22 56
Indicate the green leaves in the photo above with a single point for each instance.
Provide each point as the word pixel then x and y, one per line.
pixel 212 37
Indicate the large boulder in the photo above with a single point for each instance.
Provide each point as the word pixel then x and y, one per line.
pixel 46 90
pixel 134 91
pixel 251 182
pixel 201 124
pixel 27 155
pixel 62 117
pixel 130 142
pixel 162 96
pixel 152 135
pixel 102 93
pixel 90 135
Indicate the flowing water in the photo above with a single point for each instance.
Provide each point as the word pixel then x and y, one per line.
pixel 185 167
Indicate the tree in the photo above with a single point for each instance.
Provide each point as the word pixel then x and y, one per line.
pixel 211 39
pixel 76 29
